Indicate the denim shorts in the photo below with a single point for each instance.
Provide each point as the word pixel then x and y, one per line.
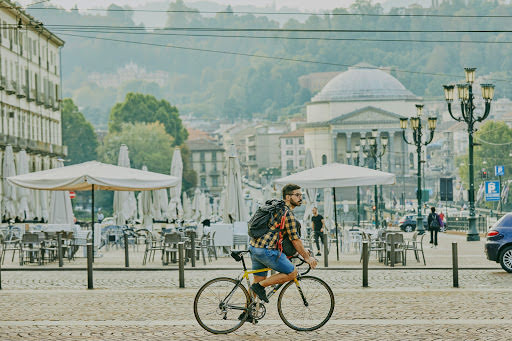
pixel 269 258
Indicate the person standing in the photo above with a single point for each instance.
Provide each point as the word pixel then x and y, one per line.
pixel 434 225
pixel 318 229
pixel 100 215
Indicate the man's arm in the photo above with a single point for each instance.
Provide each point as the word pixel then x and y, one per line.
pixel 297 244
pixel 323 225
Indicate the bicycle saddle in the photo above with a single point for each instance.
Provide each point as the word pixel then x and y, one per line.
pixel 237 255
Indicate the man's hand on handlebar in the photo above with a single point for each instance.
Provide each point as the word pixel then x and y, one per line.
pixel 311 261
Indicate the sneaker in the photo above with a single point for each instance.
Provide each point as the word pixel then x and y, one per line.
pixel 318 254
pixel 432 246
pixel 249 319
pixel 260 291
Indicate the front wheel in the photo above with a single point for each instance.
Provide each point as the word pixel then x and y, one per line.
pixel 221 304
pixel 306 306
pixel 506 259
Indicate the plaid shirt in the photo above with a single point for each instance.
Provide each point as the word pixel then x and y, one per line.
pixel 270 239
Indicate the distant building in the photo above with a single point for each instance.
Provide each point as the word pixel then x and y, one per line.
pixel 292 152
pixel 262 149
pixel 129 72
pixel 207 159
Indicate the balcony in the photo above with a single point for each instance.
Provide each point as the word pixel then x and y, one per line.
pixel 22 91
pixel 11 87
pixel 48 103
pixel 56 105
pixel 3 83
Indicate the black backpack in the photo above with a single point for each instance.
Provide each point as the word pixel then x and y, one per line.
pixel 434 223
pixel 264 217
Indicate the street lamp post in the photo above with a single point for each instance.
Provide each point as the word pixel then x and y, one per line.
pixel 417 134
pixel 466 97
pixel 371 150
pixel 355 161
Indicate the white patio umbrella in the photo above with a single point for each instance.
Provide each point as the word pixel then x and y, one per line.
pixel 22 193
pixel 35 200
pixel 93 175
pixel 160 204
pixel 9 191
pixel 125 206
pixel 146 205
pixel 206 207
pixel 196 205
pixel 187 207
pixel 61 210
pixel 44 198
pixel 175 207
pixel 336 175
pixel 309 193
pixel 234 205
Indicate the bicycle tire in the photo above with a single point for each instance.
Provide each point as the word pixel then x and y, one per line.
pixel 324 297
pixel 240 292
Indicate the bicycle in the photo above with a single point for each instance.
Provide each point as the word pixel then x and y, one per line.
pixel 227 304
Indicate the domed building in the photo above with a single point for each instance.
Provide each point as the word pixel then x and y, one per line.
pixel 349 106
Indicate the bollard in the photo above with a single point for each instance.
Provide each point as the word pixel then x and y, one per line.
pixel 193 249
pixel 181 264
pixel 1 259
pixel 126 255
pixel 89 266
pixel 365 264
pixel 326 250
pixel 59 249
pixel 455 263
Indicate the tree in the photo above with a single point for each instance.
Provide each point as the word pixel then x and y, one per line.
pixel 147 109
pixel 78 134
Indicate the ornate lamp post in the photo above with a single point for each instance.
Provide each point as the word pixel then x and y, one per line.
pixel 465 94
pixel 417 134
pixel 355 161
pixel 371 150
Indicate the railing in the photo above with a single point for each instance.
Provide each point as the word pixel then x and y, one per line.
pixel 462 224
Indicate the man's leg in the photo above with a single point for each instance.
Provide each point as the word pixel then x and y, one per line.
pixel 258 279
pixel 279 278
pixel 316 241
pixel 435 237
pixel 431 236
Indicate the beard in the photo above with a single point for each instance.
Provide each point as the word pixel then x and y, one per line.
pixel 296 203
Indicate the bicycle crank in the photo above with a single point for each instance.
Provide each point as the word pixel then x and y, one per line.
pixel 257 310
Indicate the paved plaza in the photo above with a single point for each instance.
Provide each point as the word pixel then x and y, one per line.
pixel 401 304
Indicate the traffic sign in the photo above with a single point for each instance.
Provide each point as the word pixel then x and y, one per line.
pixel 492 191
pixel 72 195
pixel 499 170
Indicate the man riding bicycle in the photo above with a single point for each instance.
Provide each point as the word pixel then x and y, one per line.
pixel 266 254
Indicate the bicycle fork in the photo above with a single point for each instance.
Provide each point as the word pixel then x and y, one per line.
pixel 301 293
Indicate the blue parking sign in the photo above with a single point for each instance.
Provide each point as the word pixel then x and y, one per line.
pixel 499 170
pixel 492 191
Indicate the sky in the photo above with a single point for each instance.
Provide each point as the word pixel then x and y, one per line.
pixel 311 5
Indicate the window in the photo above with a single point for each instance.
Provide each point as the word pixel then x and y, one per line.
pixel 252 157
pixel 289 152
pixel 215 167
pixel 203 167
pixel 301 151
pixel 214 156
pixel 289 165
pixel 289 141
pixel 203 181
pixel 301 140
pixel 5 29
pixel 215 181
pixel 201 156
pixel 324 159
pixel 301 163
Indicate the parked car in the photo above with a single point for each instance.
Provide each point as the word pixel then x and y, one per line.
pixel 408 223
pixel 498 247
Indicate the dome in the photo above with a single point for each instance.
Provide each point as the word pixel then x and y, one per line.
pixel 363 82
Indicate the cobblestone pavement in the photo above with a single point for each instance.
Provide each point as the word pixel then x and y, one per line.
pixel 399 305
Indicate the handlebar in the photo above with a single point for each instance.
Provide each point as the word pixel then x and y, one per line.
pixel 302 261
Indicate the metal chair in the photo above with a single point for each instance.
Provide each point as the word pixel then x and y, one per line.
pixel 11 242
pixel 170 246
pixel 394 244
pixel 31 246
pixel 416 246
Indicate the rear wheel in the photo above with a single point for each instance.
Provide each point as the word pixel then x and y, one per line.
pixel 506 259
pixel 221 304
pixel 308 306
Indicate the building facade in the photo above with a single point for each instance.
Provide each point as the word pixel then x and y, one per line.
pixel 30 88
pixel 208 161
pixel 292 152
pixel 262 149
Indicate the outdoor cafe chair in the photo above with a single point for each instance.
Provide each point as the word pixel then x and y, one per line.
pixel 374 245
pixel 212 251
pixel 397 240
pixel 170 246
pixel 416 246
pixel 30 246
pixel 10 242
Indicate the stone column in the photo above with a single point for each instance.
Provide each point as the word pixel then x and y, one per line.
pixel 391 155
pixel 334 148
pixel 348 147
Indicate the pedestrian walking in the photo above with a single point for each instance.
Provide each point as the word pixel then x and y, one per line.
pixel 318 229
pixel 434 223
